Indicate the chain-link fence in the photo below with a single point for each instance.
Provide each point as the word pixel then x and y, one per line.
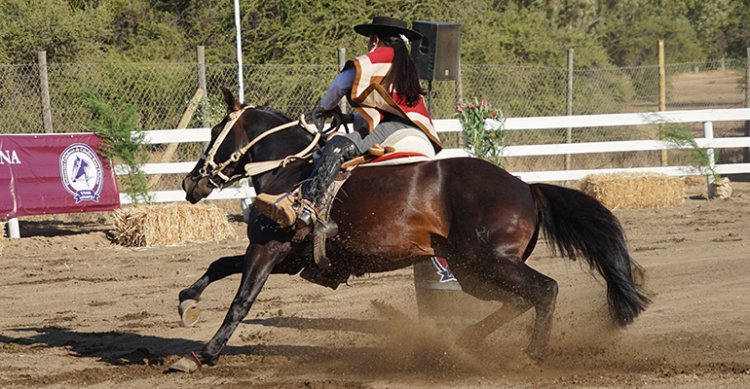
pixel 161 92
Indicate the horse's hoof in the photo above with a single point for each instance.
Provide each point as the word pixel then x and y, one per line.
pixel 189 312
pixel 185 365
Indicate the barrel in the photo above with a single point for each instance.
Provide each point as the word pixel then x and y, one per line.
pixel 440 298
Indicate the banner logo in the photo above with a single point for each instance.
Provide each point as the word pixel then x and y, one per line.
pixel 81 172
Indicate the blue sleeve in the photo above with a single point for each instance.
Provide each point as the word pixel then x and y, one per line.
pixel 359 121
pixel 340 87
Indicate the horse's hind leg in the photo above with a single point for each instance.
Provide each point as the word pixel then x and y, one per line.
pixel 512 275
pixel 513 306
pixel 222 267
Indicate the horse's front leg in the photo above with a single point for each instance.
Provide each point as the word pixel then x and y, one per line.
pixel 222 267
pixel 260 260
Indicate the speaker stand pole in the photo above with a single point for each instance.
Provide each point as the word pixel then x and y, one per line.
pixel 429 97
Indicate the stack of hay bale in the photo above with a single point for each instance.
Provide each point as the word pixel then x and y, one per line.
pixel 635 190
pixel 170 224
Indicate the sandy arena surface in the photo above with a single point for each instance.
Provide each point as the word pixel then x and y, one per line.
pixel 79 311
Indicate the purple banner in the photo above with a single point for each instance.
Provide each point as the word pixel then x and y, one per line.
pixel 51 174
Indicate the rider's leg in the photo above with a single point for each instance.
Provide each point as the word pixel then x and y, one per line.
pixel 279 207
pixel 335 152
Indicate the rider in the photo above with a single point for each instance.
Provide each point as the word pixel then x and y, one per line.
pixel 383 87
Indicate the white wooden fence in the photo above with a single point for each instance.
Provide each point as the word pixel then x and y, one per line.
pixel 708 141
pixel 707 117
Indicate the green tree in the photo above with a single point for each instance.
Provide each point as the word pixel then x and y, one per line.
pixel 53 26
pixel 635 42
pixel 736 35
pixel 123 142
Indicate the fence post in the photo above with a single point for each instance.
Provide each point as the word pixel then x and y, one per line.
pixel 708 133
pixel 569 132
pixel 460 96
pixel 341 54
pixel 747 98
pixel 200 53
pixel 14 231
pixel 662 92
pixel 44 86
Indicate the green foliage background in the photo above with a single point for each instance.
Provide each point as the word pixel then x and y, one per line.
pixel 604 32
pixel 142 52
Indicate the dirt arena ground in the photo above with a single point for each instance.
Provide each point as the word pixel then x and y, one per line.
pixel 78 311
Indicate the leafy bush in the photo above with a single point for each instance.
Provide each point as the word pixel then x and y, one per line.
pixel 680 136
pixel 122 141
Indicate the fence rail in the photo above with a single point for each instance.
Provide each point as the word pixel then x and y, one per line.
pixel 707 117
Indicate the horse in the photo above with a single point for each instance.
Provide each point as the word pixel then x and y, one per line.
pixel 484 221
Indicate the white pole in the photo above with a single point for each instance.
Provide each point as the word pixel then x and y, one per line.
pixel 244 184
pixel 14 231
pixel 708 133
pixel 241 92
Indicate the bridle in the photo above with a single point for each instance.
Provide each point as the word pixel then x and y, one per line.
pixel 212 170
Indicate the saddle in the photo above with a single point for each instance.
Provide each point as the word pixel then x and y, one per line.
pixel 405 146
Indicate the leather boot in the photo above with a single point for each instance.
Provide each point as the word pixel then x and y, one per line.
pixel 335 152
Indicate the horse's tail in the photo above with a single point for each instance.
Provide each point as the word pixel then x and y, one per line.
pixel 576 224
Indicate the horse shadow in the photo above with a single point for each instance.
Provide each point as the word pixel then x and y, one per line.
pixel 125 348
pixel 115 348
pixel 365 326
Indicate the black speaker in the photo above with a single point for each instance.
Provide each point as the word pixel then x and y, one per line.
pixel 438 54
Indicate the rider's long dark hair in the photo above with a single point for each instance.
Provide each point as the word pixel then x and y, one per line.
pixel 403 76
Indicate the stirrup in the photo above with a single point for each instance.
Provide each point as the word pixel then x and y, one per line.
pixel 280 208
pixel 308 213
pixel 321 277
pixel 328 228
pixel 310 216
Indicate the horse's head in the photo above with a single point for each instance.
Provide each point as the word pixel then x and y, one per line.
pixel 246 134
pixel 223 160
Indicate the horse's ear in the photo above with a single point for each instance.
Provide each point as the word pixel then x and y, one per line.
pixel 232 104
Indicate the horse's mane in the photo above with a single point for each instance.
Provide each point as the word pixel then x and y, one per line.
pixel 274 111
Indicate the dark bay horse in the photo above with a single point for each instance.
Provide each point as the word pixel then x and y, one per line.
pixel 483 220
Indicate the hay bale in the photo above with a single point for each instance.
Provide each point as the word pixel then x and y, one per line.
pixel 635 190
pixel 168 224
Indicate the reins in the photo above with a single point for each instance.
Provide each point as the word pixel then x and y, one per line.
pixel 252 168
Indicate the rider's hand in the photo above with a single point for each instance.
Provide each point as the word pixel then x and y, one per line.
pixel 316 116
pixel 340 119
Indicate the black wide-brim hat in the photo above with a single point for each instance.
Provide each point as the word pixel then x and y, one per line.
pixel 386 26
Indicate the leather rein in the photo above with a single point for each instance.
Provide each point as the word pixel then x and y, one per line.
pixel 211 169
